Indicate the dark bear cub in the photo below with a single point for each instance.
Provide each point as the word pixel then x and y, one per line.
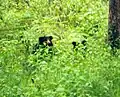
pixel 83 42
pixel 81 46
pixel 43 42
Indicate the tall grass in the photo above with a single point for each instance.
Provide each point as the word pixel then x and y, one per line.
pixel 65 72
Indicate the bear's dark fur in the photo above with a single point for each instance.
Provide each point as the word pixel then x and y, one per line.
pixel 45 41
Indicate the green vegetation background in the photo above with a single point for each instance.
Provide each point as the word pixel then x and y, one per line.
pixel 66 73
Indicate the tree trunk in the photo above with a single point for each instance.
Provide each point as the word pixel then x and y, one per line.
pixel 114 24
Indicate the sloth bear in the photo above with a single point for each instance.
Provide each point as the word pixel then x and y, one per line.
pixel 43 42
pixel 46 41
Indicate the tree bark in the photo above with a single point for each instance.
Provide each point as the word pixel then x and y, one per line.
pixel 114 24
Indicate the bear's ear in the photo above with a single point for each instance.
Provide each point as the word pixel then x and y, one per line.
pixel 50 37
pixel 84 42
pixel 74 43
pixel 41 39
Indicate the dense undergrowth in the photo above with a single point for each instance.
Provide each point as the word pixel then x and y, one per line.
pixel 65 73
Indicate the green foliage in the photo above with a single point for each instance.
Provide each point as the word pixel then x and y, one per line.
pixel 63 72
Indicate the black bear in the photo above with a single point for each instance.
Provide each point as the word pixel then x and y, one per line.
pixel 82 45
pixel 45 41
pixel 83 42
